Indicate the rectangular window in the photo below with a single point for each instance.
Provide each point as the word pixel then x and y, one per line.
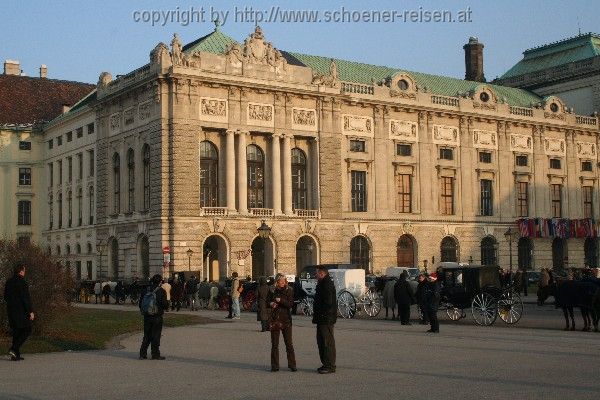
pixel 60 172
pixel 50 144
pixel 80 165
pixel 25 176
pixel 359 191
pixel 80 207
pixel 447 196
pixel 486 197
pixel 586 165
pixel 555 163
pixel 556 195
pixel 588 202
pixel 24 145
pixel 521 161
pixel 24 212
pixel 92 163
pixel 446 154
pixel 50 210
pixel 522 199
pixel 404 150
pixel 357 146
pixel 51 174
pixel 79 132
pixel 404 183
pixel 59 140
pixel 70 168
pixel 485 157
pixel 92 204
pixel 90 128
pixel 69 136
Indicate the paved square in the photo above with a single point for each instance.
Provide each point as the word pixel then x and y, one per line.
pixel 377 359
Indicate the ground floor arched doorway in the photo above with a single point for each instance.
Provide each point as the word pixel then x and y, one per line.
pixel 306 253
pixel 143 256
pixel 113 258
pixel 590 249
pixel 559 253
pixel 405 252
pixel 449 249
pixel 263 258
pixel 525 250
pixel 214 260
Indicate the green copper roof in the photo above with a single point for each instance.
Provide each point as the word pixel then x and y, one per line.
pixel 351 71
pixel 554 54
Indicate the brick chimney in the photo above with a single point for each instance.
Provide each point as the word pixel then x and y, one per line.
pixel 12 67
pixel 474 60
pixel 43 71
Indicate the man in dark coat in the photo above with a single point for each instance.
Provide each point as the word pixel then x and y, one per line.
pixel 420 297
pixel 325 316
pixel 153 323
pixel 431 299
pixel 19 310
pixel 404 296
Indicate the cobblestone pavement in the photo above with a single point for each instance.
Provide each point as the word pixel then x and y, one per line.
pixel 376 359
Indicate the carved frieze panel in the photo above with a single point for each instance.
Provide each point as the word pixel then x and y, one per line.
pixel 404 130
pixel 260 114
pixel 485 139
pixel 555 147
pixel 586 150
pixel 445 135
pixel 304 119
pixel 212 109
pixel 114 123
pixel 144 110
pixel 357 125
pixel 129 116
pixel 521 143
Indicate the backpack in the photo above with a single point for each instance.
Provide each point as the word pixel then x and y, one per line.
pixel 149 306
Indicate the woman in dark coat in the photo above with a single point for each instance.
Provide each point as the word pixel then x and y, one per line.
pixel 404 296
pixel 281 300
pixel 19 310
pixel 263 310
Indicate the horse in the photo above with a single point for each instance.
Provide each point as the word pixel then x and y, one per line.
pixel 584 294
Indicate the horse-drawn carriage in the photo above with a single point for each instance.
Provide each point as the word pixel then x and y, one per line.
pixel 478 287
pixel 352 292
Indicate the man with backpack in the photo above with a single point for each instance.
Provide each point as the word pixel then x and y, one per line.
pixel 152 306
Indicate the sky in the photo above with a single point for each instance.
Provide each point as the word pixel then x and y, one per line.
pixel 78 40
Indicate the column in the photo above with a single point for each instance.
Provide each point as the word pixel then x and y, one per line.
pixel 242 173
pixel 276 174
pixel 287 175
pixel 315 183
pixel 230 170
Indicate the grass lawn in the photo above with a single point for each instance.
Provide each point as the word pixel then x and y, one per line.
pixel 92 329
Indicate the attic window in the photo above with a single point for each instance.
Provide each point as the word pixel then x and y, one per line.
pixel 403 84
pixel 554 107
pixel 484 97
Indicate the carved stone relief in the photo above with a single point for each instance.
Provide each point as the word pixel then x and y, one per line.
pixel 485 139
pixel 260 114
pixel 357 125
pixel 129 116
pixel 404 130
pixel 115 122
pixel 304 119
pixel 554 147
pixel 257 50
pixel 521 143
pixel 213 109
pixel 144 110
pixel 586 150
pixel 443 134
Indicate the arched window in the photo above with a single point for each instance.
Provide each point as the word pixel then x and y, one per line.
pixel 50 210
pixel 79 206
pixel 70 208
pixel 405 252
pixel 146 154
pixel 89 248
pixel 359 252
pixel 449 249
pixel 91 205
pixel 488 251
pixel 144 256
pixel 58 250
pixel 256 174
pixel 116 183
pixel 559 253
pixel 68 250
pixel 590 250
pixel 60 210
pixel 78 248
pixel 298 180
pixel 524 250
pixel 114 258
pixel 209 173
pixel 130 180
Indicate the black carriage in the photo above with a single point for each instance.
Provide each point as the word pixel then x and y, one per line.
pixel 478 287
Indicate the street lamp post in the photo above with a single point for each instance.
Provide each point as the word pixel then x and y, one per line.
pixel 189 254
pixel 264 231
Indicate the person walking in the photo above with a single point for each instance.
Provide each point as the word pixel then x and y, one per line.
pixel 263 309
pixel 405 297
pixel 235 296
pixel 176 293
pixel 153 304
pixel 19 310
pixel 281 300
pixel 388 297
pixel 191 292
pixel 167 287
pixel 420 297
pixel 98 291
pixel 325 316
pixel 432 300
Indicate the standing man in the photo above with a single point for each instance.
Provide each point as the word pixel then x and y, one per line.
pixel 431 299
pixel 325 316
pixel 235 296
pixel 19 310
pixel 153 304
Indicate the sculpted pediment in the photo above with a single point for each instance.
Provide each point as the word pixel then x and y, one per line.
pixel 256 50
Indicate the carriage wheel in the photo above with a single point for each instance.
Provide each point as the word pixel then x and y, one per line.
pixel 346 304
pixel 306 306
pixel 484 308
pixel 455 313
pixel 510 307
pixel 371 303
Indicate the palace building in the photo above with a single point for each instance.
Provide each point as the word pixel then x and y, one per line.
pixel 176 165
